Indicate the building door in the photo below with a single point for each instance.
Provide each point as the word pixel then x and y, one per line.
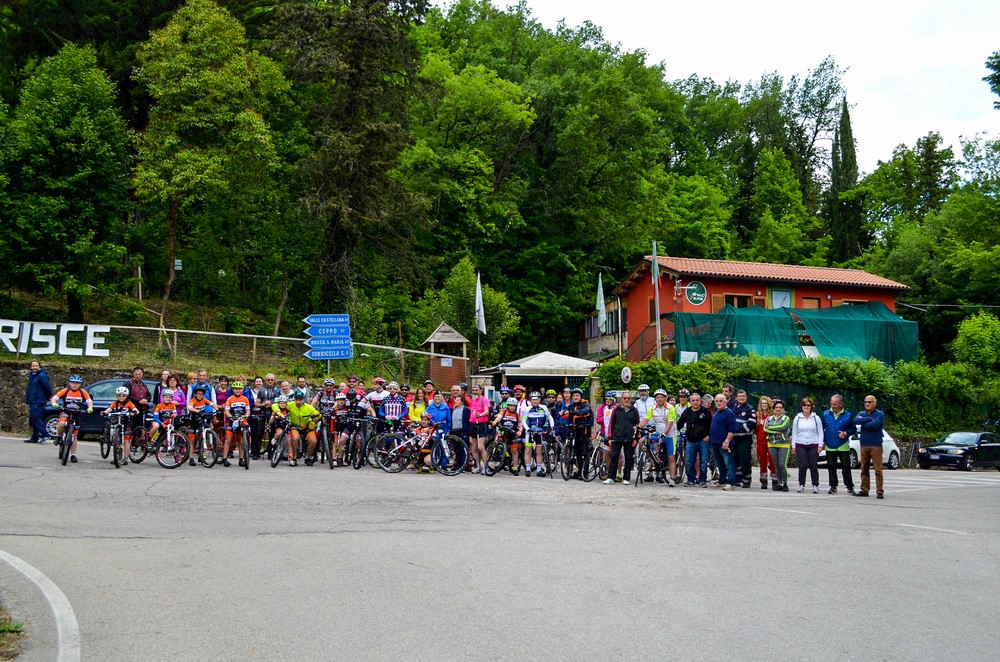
pixel 781 298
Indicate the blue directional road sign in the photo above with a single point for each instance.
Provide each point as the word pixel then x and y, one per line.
pixel 341 331
pixel 327 320
pixel 335 353
pixel 328 342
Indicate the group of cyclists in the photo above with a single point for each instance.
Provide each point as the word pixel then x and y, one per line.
pixel 521 431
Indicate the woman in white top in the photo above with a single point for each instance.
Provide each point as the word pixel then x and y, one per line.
pixel 807 439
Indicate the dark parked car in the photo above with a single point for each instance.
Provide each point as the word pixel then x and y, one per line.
pixel 103 394
pixel 962 450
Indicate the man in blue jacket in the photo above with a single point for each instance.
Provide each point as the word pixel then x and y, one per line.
pixel 37 395
pixel 838 426
pixel 870 421
pixel 721 432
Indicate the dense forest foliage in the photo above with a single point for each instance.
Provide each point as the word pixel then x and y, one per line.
pixel 369 157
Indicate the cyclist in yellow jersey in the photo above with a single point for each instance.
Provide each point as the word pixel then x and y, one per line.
pixel 302 416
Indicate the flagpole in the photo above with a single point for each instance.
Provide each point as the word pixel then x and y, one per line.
pixel 656 294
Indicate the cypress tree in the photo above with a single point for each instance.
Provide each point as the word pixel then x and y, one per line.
pixel 844 213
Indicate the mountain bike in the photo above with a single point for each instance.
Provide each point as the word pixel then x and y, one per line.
pixel 116 434
pixel 142 443
pixel 596 463
pixel 242 432
pixel 569 465
pixel 65 442
pixel 172 446
pixel 356 442
pixel 498 452
pixel 279 446
pixel 326 442
pixel 205 440
pixel 644 454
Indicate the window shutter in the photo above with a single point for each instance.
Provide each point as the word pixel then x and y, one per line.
pixel 718 302
pixel 760 301
pixel 838 302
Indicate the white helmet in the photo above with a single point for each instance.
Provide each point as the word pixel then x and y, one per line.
pixel 660 391
pixel 643 387
pixel 167 393
pixel 121 390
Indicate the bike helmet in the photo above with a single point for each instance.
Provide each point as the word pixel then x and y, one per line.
pixel 505 389
pixel 643 387
pixel 426 415
pixel 551 391
pixel 428 381
pixel 684 392
pixel 534 394
pixel 518 387
pixel 378 380
pixel 340 396
pixel 610 395
pixel 577 390
pixel 121 390
pixel 329 381
pixel 299 394
pixel 352 394
pixel 511 401
pixel 350 377
pixel 393 385
pixel 167 393
pixel 198 388
pixel 237 386
pixel 660 391
pixel 281 399
pixel 405 387
pixel 75 379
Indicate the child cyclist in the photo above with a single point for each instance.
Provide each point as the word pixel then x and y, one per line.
pixel 74 400
pixel 121 403
pixel 237 410
pixel 163 413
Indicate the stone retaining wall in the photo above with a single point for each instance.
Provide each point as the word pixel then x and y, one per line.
pixel 14 382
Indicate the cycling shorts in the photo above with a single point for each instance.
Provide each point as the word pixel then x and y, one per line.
pixel 479 429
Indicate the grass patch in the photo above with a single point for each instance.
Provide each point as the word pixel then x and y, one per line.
pixel 11 633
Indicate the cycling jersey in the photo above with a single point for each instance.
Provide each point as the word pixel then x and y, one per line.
pixel 73 400
pixel 661 417
pixel 164 412
pixel 340 419
pixel 203 405
pixel 643 405
pixel 327 401
pixel 580 414
pixel 537 416
pixel 238 406
pixel 393 407
pixel 122 406
pixel 376 398
pixel 508 421
pixel 301 415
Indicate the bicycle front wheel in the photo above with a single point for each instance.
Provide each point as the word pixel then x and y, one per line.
pixel 567 464
pixel 139 448
pixel 449 455
pixel 640 464
pixel 389 454
pixel 210 449
pixel 105 446
pixel 117 449
pixel 245 441
pixel 357 450
pixel 279 448
pixel 173 451
pixel 496 454
pixel 593 465
pixel 67 442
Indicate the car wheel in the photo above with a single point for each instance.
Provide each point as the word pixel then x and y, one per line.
pixel 855 462
pixel 52 425
pixel 893 462
pixel 968 462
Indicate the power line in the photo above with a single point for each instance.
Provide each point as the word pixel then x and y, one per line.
pixel 945 305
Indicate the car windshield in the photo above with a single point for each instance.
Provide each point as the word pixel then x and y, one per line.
pixel 959 438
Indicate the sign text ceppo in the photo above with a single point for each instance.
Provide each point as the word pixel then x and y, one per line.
pixel 49 338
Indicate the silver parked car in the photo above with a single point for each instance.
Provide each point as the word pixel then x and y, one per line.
pixel 890 452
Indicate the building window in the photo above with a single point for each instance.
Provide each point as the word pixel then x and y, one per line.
pixel 810 302
pixel 738 300
pixel 854 302
pixel 781 298
pixel 652 310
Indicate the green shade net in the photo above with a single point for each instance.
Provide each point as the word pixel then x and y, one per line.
pixel 861 331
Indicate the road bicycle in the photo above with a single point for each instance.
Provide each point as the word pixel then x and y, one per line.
pixel 569 464
pixel 542 436
pixel 172 446
pixel 395 452
pixel 596 462
pixel 357 440
pixel 645 455
pixel 326 442
pixel 498 452
pixel 680 451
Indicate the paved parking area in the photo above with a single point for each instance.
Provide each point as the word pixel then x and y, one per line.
pixel 306 563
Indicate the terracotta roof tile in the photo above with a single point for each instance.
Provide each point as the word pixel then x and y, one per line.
pixel 786 273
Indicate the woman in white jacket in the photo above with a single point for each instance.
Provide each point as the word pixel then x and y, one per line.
pixel 807 439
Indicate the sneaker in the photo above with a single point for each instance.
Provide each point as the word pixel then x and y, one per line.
pixel 763 484
pixel 727 487
pixel 192 462
pixel 879 496
pixel 860 494
pixel 527 472
pixel 309 461
pixel 802 488
pixel 832 490
pixel 649 478
pixel 746 486
pixel 541 472
pixel 815 489
pixel 515 472
pixel 609 481
pixel 226 462
pixel 476 470
pixel 44 440
pixel 72 458
pixel 775 487
pixel 704 484
pixel 850 490
pixel 688 483
pixel 784 488
pixel 242 462
pixel 671 483
pixel 661 479
pixel 293 462
pixel 30 441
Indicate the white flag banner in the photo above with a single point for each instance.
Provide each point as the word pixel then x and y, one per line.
pixel 602 312
pixel 480 310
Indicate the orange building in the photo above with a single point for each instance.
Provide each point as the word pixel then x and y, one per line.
pixel 689 285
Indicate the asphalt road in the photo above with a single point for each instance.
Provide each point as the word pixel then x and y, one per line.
pixel 311 564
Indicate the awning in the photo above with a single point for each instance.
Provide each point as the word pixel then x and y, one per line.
pixel 545 364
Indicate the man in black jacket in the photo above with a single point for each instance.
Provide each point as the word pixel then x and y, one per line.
pixel 37 395
pixel 624 420
pixel 697 420
pixel 746 419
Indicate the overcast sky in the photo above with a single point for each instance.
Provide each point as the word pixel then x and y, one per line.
pixel 913 67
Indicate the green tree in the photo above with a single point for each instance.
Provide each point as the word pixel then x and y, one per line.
pixel 454 303
pixel 786 232
pixel 208 165
pixel 844 214
pixel 993 64
pixel 66 158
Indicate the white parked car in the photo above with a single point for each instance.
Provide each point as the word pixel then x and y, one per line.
pixel 890 452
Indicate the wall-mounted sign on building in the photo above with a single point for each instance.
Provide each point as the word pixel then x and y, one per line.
pixel 696 293
pixel 40 338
